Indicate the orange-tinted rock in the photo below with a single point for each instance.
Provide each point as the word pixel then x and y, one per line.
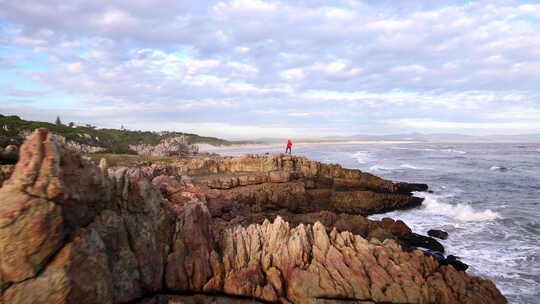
pixel 367 202
pixel 71 232
pixel 5 173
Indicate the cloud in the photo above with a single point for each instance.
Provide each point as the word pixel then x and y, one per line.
pixel 371 66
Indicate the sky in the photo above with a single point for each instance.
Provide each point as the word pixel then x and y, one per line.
pixel 245 69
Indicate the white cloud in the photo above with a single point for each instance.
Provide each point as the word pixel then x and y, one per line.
pixel 74 68
pixel 116 18
pixel 436 126
pixel 368 61
pixel 296 74
pixel 415 68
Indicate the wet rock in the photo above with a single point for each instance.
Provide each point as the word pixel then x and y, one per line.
pixel 449 260
pixel 499 168
pixel 410 187
pixel 417 240
pixel 9 154
pixel 455 262
pixel 440 234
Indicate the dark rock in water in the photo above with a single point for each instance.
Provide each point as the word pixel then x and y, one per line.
pixel 440 234
pixel 436 255
pixel 449 260
pixel 499 168
pixel 455 262
pixel 408 187
pixel 418 240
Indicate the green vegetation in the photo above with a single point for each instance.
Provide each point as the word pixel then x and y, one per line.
pixel 113 140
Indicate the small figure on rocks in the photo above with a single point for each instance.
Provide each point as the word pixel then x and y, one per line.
pixel 289 146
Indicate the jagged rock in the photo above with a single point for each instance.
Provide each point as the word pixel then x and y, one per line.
pixel 73 233
pixel 449 260
pixel 427 242
pixel 103 164
pixel 70 233
pixel 172 146
pixel 196 299
pixel 455 262
pixel 5 173
pixel 298 184
pixel 78 147
pixel 440 234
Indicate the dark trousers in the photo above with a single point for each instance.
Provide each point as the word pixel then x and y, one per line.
pixel 288 149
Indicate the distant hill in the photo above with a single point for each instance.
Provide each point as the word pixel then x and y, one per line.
pixel 113 140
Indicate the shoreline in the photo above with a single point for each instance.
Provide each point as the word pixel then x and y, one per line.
pixel 239 147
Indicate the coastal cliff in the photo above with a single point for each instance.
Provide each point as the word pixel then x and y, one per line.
pixel 254 229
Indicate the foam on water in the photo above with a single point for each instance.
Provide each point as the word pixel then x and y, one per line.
pixel 453 151
pixel 404 166
pixel 361 157
pixel 461 212
pixel 380 168
pixel 409 166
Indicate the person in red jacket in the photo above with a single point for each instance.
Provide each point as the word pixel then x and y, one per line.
pixel 289 146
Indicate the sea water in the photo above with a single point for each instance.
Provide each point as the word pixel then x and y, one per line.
pixel 486 196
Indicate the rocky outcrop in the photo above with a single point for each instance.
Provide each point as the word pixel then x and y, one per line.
pixel 440 234
pixel 172 146
pixel 5 173
pixel 71 232
pixel 79 147
pixel 301 184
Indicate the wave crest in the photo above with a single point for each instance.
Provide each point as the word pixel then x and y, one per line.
pixel 461 212
pixel 362 157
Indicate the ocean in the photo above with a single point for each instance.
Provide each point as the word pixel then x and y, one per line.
pixel 486 196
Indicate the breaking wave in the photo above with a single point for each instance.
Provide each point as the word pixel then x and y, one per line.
pixel 361 157
pixel 461 212
pixel 409 166
pixel 380 168
pixel 453 151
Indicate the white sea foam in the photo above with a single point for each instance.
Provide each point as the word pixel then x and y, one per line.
pixel 361 157
pixel 399 148
pixel 461 212
pixel 453 151
pixel 409 166
pixel 380 168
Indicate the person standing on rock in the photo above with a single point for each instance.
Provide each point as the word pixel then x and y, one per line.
pixel 289 146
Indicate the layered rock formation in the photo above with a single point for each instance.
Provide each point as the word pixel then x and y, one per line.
pixel 71 232
pixel 173 146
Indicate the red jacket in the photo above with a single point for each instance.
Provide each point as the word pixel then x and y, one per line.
pixel 289 143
